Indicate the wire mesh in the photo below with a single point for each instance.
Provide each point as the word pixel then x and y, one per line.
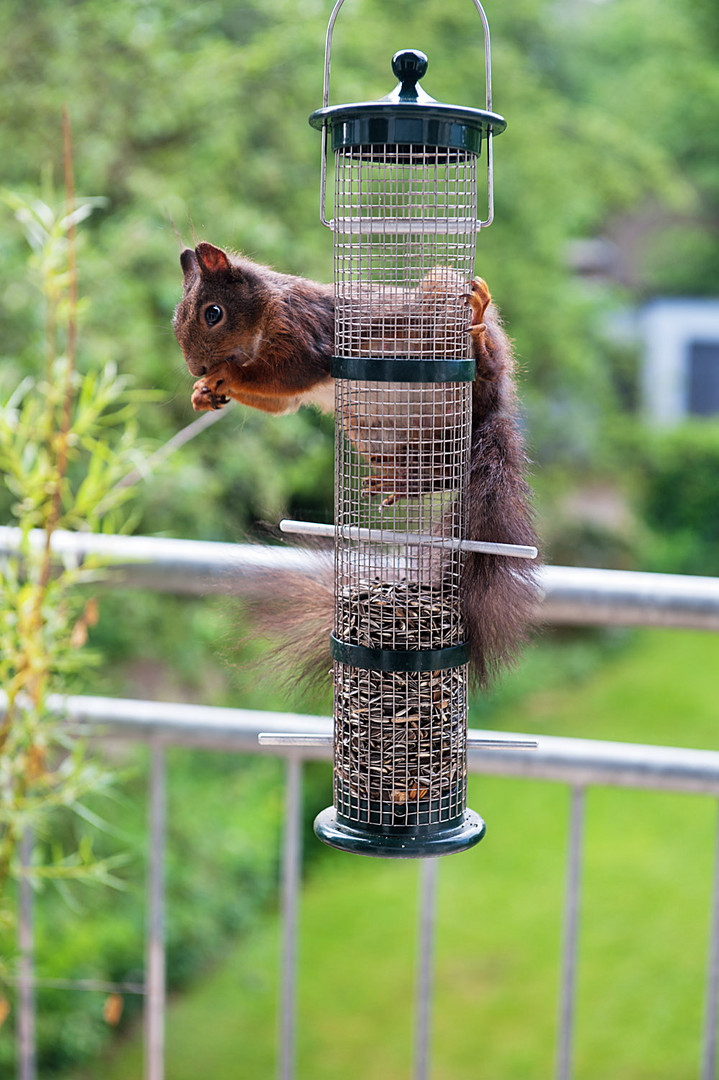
pixel 404 229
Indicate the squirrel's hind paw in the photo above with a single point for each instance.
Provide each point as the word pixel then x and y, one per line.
pixel 479 298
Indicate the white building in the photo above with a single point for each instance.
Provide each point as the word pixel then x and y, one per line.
pixel 680 374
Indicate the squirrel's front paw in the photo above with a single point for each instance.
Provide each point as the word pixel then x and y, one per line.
pixel 207 397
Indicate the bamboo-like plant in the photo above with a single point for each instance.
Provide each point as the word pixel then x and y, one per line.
pixel 67 439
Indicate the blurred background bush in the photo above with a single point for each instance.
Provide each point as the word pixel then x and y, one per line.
pixel 190 120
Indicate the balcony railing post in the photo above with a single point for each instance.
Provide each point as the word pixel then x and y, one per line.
pixel 26 1038
pixel 290 887
pixel 711 1002
pixel 155 923
pixel 570 937
pixel 428 870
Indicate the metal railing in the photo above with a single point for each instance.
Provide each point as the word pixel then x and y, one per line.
pixel 578 596
pixel 570 596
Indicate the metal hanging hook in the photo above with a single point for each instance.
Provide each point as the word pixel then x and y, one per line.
pixel 329 224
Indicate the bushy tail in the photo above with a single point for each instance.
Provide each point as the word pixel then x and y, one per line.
pixel 499 594
pixel 293 610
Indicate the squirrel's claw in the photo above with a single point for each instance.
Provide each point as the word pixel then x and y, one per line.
pixel 377 485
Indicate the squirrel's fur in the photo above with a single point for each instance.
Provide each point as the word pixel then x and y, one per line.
pixel 266 339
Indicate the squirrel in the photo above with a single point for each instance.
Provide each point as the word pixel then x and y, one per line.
pixel 266 339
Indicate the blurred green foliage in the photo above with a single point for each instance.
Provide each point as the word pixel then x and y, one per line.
pixel 195 117
pixel 192 118
pixel 66 440
pixel 224 815
pixel 645 904
pixel 678 499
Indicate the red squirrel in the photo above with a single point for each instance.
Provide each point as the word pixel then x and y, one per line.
pixel 266 339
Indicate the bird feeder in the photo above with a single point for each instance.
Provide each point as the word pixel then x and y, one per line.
pixel 405 223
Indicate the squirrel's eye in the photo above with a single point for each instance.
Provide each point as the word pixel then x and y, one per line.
pixel 213 314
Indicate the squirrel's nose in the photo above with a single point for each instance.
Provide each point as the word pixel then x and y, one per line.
pixel 196 370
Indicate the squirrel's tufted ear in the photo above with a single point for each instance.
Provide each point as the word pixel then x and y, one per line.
pixel 188 262
pixel 211 259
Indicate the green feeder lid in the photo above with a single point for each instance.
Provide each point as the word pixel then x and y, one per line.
pixel 408 115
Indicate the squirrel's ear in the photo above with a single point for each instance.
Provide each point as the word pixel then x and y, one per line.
pixel 188 262
pixel 212 260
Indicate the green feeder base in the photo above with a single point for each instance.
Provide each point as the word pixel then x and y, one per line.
pixel 406 842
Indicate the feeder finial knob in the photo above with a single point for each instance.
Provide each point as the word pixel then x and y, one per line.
pixel 409 66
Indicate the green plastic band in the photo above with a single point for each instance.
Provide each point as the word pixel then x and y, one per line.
pixel 398 659
pixel 379 369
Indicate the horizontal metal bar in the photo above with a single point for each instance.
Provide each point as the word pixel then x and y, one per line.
pixel 160 564
pixel 292 739
pixel 569 761
pixel 406 226
pixel 567 595
pixel 613 764
pixel 202 726
pixel 390 536
pixel 583 596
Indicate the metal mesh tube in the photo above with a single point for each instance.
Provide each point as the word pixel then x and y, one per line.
pixel 404 229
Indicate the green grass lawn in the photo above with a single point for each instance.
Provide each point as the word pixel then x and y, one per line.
pixel 645 916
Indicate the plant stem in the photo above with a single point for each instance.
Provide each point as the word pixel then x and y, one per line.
pixel 67 158
pixel 71 356
pixel 32 677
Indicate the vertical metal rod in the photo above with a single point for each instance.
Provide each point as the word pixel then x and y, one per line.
pixel 155 921
pixel 25 1036
pixel 711 1002
pixel 290 885
pixel 328 53
pixel 428 870
pixel 570 937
